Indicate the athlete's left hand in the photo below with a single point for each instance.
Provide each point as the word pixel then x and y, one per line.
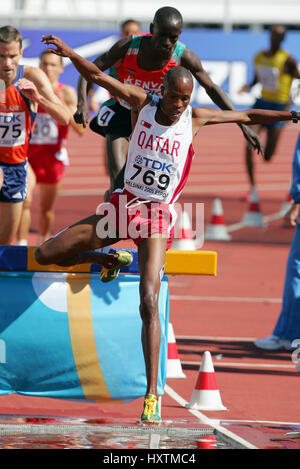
pixel 28 89
pixel 61 48
pixel 252 138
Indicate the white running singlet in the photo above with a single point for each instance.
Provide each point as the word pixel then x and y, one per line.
pixel 159 157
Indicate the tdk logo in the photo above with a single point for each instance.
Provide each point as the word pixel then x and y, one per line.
pixel 9 118
pixel 153 164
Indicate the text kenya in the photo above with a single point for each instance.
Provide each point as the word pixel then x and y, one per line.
pixel 157 143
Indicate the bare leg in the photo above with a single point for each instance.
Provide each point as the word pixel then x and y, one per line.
pixel 273 134
pixel 10 215
pixel 75 245
pixel 249 159
pixel 151 257
pixel 48 196
pixel 26 212
pixel 116 153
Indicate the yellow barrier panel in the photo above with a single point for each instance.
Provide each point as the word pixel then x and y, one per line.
pixel 177 262
pixel 191 262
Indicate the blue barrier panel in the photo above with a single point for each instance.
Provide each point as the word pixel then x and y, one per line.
pixel 69 336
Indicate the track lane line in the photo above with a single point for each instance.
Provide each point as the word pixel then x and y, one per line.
pixel 204 419
pixel 224 298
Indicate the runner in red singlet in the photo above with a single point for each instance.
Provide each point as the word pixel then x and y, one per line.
pixel 47 153
pixel 22 88
pixel 162 137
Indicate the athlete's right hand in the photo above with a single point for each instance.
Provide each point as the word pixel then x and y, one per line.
pixel 82 114
pixel 61 48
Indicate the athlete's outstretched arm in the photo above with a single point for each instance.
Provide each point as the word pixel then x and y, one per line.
pixel 134 95
pixel 192 62
pixel 209 116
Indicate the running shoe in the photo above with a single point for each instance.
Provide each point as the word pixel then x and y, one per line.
pixel 272 342
pixel 151 413
pixel 107 275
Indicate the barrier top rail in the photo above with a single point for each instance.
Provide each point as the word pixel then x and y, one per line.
pixel 21 258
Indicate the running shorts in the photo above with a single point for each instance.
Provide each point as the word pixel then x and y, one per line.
pixel 263 104
pixel 137 219
pixel 14 186
pixel 112 119
pixel 47 168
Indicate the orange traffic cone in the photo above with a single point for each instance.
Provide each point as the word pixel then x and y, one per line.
pixel 217 229
pixel 206 395
pixel 183 238
pixel 174 369
pixel 253 216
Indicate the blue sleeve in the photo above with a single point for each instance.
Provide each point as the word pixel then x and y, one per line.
pixel 154 99
pixel 295 189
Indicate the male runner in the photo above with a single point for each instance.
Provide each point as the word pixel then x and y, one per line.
pixel 25 87
pixel 144 61
pixel 163 133
pixel 275 69
pixel 47 154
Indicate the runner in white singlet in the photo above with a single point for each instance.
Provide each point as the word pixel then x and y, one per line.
pixel 154 150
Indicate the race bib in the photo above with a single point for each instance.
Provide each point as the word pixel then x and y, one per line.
pixel 104 116
pixel 45 130
pixel 12 129
pixel 152 177
pixel 268 77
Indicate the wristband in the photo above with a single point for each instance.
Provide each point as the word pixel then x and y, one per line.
pixel 294 115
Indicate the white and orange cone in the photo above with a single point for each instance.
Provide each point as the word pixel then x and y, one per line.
pixel 184 237
pixel 253 216
pixel 174 369
pixel 206 395
pixel 217 230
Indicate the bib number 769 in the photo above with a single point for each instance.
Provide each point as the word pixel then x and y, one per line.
pixel 149 177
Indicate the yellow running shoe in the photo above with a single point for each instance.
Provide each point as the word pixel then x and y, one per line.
pixel 107 275
pixel 151 412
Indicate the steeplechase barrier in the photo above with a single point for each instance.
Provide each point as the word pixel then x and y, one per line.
pixel 65 334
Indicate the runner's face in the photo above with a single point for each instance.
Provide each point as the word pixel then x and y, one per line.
pixel 10 55
pixel 131 29
pixel 176 97
pixel 51 65
pixel 164 38
pixel 277 36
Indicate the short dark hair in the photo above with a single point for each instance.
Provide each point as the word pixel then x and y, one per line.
pixel 46 52
pixel 177 72
pixel 126 22
pixel 10 34
pixel 169 14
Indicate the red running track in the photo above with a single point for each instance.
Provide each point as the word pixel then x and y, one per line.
pixel 222 314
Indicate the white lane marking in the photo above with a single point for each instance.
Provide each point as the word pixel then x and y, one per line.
pixel 212 423
pixel 266 219
pixel 217 338
pixel 239 299
pixel 242 365
pixel 268 422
